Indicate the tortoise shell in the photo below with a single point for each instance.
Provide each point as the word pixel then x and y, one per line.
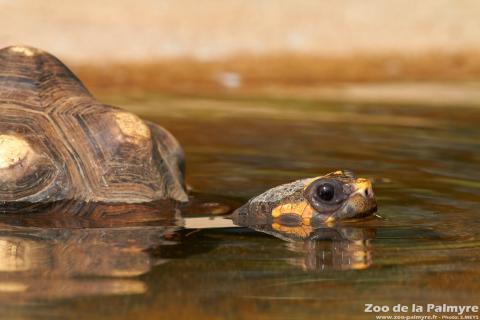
pixel 58 143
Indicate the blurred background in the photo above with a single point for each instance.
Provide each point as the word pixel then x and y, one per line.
pixel 261 93
pixel 284 47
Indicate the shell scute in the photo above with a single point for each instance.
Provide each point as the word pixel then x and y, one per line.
pixel 80 149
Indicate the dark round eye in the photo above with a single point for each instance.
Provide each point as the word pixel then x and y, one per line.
pixel 326 192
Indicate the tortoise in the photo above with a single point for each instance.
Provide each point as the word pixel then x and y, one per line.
pixel 57 143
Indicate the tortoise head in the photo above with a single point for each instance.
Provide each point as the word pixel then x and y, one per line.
pixel 335 196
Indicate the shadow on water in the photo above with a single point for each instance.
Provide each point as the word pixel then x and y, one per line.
pixel 158 260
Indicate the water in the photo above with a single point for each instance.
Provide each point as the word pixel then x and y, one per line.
pixel 423 248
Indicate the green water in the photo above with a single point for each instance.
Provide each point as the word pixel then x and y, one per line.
pixel 424 247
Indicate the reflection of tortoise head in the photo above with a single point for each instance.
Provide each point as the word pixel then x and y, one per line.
pixel 340 248
pixel 335 196
pixel 337 246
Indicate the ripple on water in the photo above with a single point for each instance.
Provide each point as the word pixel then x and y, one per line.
pixel 425 248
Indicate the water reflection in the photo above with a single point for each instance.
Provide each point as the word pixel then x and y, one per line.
pixel 341 248
pixel 74 214
pixel 321 247
pixel 46 264
pixel 70 250
pixel 50 254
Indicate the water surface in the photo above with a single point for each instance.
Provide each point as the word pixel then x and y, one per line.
pixel 424 248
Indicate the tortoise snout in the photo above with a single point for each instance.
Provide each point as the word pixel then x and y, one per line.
pixel 364 188
pixel 367 192
pixel 362 201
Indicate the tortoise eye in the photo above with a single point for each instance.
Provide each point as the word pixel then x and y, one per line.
pixel 326 192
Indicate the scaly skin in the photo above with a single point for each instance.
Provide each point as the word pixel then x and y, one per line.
pixel 297 203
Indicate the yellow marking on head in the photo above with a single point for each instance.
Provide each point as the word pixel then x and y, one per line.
pixel 276 212
pixel 24 50
pixel 302 209
pixel 308 211
pixel 338 172
pixel 362 182
pixel 301 231
pixel 132 126
pixel 13 150
pixel 276 226
pixel 286 208
pixel 361 185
